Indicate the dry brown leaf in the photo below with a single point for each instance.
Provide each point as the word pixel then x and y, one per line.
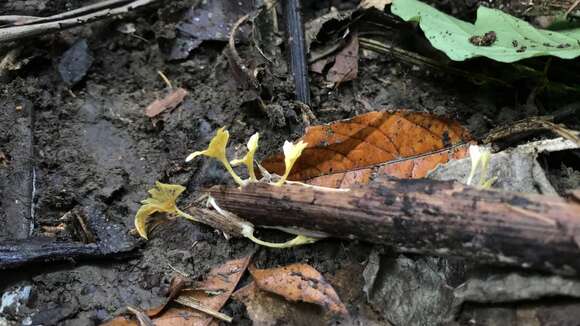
pixel 345 66
pixel 268 309
pixel 299 282
pixel 221 280
pixel 170 101
pixel 401 144
pixel 319 65
pixel 378 4
pixel 410 168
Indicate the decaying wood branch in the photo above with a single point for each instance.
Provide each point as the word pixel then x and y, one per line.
pixel 110 241
pixel 17 253
pixel 426 217
pixel 70 19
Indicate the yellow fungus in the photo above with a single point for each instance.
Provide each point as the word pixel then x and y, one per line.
pixel 248 159
pixel 217 150
pixel 480 157
pixel 163 200
pixel 291 153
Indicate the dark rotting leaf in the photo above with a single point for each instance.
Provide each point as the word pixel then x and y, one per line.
pixel 75 63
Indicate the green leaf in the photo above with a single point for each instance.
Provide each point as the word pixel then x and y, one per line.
pixel 515 39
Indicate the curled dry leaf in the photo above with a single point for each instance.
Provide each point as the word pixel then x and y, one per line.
pixel 319 65
pixel 177 284
pixel 216 289
pixel 345 66
pixel 170 101
pixel 207 21
pixel 401 144
pixel 313 27
pixel 299 282
pixel 267 309
pixel 213 292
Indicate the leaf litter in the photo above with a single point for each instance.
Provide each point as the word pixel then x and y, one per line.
pixel 211 293
pixel 265 308
pixel 212 21
pixel 345 66
pixel 402 144
pixel 170 101
pixel 296 283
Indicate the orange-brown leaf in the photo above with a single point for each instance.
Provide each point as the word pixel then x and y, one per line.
pixel 171 101
pixel 409 168
pixel 345 152
pixel 222 279
pixel 299 282
pixel 265 308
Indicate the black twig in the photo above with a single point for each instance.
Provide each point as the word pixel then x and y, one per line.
pixel 297 46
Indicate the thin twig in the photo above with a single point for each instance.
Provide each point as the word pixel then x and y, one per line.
pixel 572 7
pixel 165 79
pixel 182 273
pixel 189 302
pixel 531 124
pixel 12 19
pixel 143 319
pixel 241 72
pixel 565 133
pixel 14 33
pixel 107 4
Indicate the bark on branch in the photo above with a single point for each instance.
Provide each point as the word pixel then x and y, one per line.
pixel 40 26
pixel 426 217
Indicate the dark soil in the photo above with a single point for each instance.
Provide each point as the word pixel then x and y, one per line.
pixel 91 146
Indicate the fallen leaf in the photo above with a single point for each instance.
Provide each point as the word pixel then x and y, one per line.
pixel 401 144
pixel 208 21
pixel 75 63
pixel 217 287
pixel 299 282
pixel 319 65
pixel 268 309
pixel 177 284
pixel 322 41
pixel 378 4
pixel 410 168
pixel 141 316
pixel 313 27
pixel 170 101
pixel 345 66
pixel 213 293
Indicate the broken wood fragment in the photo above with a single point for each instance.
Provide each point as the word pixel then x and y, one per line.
pixel 170 101
pixel 425 217
pixel 111 241
pixel 17 253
